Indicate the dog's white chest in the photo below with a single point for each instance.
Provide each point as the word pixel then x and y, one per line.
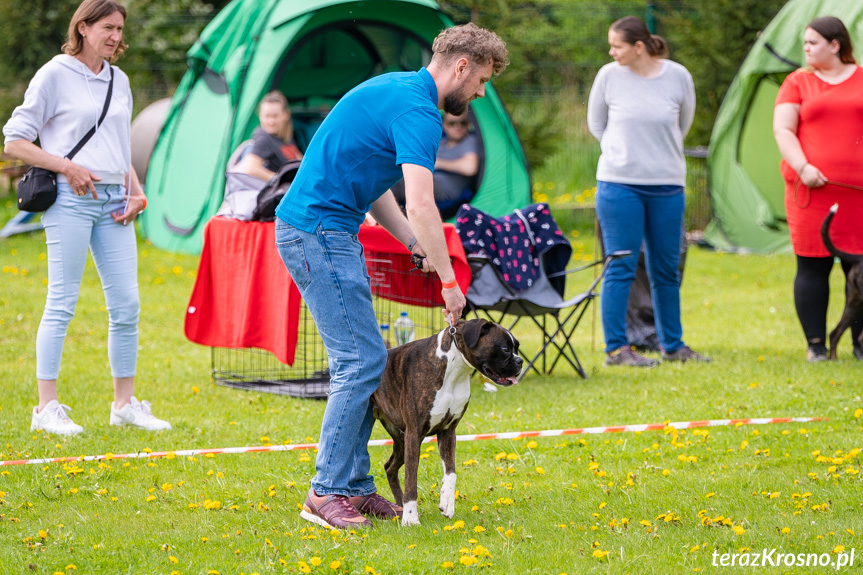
pixel 451 399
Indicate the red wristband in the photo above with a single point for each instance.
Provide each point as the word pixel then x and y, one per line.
pixel 145 203
pixel 450 285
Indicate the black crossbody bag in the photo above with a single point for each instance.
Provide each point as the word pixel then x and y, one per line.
pixel 37 190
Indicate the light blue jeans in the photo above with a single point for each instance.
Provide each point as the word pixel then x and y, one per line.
pixel 72 225
pixel 628 217
pixel 329 269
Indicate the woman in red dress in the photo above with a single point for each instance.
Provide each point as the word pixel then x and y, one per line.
pixel 818 125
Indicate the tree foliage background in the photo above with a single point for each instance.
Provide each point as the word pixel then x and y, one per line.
pixel 556 47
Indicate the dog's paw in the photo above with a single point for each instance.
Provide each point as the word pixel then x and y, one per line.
pixel 410 515
pixel 447 496
pixel 447 508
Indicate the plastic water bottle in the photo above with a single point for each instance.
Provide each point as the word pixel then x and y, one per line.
pixel 404 329
pixel 385 333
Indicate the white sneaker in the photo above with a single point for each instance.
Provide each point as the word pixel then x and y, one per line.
pixel 53 419
pixel 138 414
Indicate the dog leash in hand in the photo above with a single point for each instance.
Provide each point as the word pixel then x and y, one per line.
pixel 417 261
pixel 798 183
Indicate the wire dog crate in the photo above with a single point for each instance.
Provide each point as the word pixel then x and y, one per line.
pixel 394 290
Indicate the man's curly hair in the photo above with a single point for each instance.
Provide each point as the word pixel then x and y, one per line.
pixel 481 46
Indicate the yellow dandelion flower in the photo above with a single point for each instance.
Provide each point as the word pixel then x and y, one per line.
pixel 785 530
pixel 335 564
pixel 479 529
pixel 858 413
pixel 540 471
pixel 600 554
pixel 43 534
pixel 481 551
pixel 468 560
pixel 666 472
pixel 739 529
pixel 447 565
pixel 458 524
pixel 851 532
pixel 196 390
pixel 173 559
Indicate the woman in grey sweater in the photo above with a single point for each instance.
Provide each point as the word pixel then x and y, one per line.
pixel 97 196
pixel 640 108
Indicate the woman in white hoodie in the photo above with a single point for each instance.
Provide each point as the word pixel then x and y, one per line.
pixel 98 194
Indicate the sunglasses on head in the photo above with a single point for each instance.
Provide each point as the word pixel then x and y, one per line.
pixel 457 122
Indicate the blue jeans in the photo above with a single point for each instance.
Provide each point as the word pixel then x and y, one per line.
pixel 627 217
pixel 72 225
pixel 329 269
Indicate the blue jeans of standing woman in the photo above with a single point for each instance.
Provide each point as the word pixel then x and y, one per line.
pixel 329 269
pixel 72 225
pixel 629 215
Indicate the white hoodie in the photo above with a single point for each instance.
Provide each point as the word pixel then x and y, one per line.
pixel 63 101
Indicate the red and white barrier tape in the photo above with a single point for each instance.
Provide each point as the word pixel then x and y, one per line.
pixel 475 437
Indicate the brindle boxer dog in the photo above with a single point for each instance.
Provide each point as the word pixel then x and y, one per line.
pixel 425 390
pixel 853 284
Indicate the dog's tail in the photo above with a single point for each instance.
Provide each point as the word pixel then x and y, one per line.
pixel 828 243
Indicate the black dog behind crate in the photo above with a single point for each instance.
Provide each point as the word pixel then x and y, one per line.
pixel 309 377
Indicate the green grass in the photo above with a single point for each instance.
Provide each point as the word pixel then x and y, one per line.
pixel 525 506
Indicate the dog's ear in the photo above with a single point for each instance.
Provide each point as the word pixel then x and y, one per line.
pixel 473 329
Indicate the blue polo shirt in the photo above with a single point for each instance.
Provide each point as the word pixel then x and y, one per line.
pixel 356 154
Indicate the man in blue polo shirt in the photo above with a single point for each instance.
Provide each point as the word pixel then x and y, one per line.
pixel 385 129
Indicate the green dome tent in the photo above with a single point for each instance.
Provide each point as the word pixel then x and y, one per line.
pixel 746 188
pixel 314 51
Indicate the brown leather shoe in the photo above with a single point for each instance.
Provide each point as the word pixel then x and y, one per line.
pixel 332 511
pixel 376 506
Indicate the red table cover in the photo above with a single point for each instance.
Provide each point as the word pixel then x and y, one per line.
pixel 244 296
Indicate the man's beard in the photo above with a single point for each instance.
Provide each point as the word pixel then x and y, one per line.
pixel 455 103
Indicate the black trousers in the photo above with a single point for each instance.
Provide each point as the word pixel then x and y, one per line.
pixel 812 295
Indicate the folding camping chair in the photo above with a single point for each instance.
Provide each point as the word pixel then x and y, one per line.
pixel 557 318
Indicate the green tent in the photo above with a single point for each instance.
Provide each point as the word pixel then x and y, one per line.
pixel 314 51
pixel 746 188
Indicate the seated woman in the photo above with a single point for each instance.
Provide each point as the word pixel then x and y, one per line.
pixel 258 159
pixel 456 167
pixel 273 142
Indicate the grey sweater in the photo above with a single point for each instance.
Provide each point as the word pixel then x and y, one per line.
pixel 640 124
pixel 63 101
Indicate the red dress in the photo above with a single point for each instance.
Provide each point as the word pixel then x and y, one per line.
pixel 830 131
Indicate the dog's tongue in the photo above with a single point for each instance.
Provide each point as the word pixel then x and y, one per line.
pixel 513 380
